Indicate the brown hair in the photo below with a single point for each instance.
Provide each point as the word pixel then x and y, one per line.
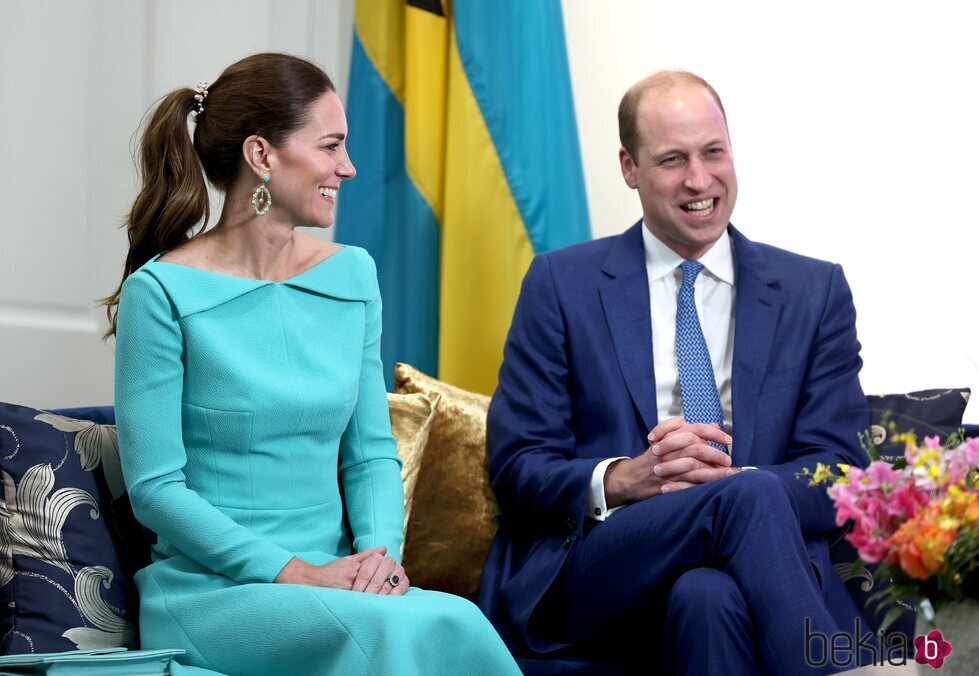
pixel 265 94
pixel 663 80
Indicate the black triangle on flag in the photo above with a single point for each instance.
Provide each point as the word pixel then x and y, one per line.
pixel 433 6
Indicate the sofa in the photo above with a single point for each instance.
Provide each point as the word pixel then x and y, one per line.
pixel 70 543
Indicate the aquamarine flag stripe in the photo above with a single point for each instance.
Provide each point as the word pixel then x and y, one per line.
pixel 523 88
pixel 382 211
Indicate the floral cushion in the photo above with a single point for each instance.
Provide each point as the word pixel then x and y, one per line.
pixel 62 584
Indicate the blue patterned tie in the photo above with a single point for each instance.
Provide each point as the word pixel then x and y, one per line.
pixel 701 403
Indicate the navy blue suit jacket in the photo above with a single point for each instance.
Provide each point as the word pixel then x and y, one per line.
pixel 577 386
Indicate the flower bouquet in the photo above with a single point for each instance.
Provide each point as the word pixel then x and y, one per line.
pixel 917 517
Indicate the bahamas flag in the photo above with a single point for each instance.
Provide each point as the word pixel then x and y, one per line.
pixel 463 133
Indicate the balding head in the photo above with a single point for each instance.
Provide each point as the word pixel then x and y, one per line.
pixel 663 80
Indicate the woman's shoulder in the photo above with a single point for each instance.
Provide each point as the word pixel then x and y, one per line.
pixel 314 251
pixel 143 280
pixel 344 271
pixel 340 259
pixel 144 300
pixel 186 254
pixel 356 256
pixel 179 289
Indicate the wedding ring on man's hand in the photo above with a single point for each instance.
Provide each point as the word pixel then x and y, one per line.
pixel 394 580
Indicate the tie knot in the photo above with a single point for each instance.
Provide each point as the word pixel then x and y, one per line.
pixel 690 271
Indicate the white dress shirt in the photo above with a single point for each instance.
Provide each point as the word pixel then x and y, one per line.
pixel 714 297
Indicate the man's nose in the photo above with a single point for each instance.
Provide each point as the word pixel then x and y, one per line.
pixel 698 178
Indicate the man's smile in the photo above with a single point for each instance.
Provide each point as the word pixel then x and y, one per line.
pixel 702 208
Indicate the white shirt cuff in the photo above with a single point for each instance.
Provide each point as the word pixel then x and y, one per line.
pixel 597 507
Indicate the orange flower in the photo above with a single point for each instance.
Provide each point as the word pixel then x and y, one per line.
pixel 919 545
pixel 910 560
pixel 970 516
pixel 962 505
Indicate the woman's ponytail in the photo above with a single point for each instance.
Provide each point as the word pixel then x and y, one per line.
pixel 173 197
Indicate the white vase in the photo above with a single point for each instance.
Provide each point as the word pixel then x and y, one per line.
pixel 959 624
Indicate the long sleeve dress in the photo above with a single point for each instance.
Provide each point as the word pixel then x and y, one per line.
pixel 253 427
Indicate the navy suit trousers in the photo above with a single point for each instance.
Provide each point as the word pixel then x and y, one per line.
pixel 705 555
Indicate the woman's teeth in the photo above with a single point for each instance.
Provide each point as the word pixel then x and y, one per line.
pixel 328 192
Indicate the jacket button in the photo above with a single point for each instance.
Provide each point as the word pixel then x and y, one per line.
pixel 571 523
pixel 567 542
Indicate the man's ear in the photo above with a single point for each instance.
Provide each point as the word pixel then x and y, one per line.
pixel 257 153
pixel 628 167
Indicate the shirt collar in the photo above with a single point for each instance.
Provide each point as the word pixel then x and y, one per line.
pixel 661 260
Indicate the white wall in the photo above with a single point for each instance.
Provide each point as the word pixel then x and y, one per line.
pixel 854 133
pixel 852 126
pixel 76 77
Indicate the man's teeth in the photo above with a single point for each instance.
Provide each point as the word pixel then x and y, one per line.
pixel 328 192
pixel 701 208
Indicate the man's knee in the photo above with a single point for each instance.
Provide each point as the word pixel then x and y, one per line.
pixel 757 481
pixel 753 488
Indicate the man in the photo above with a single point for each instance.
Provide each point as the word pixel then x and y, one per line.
pixel 629 533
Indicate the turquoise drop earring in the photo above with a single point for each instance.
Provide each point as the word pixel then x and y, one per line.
pixel 262 197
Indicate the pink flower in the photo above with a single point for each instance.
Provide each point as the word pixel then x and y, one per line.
pixel 906 500
pixel 971 451
pixel 910 453
pixel 871 550
pixel 934 443
pixel 845 501
pixel 881 474
pixel 957 467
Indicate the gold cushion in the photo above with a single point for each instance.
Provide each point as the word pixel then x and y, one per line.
pixel 411 419
pixel 453 515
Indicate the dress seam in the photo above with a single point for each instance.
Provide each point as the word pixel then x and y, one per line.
pixel 266 508
pixel 180 624
pixel 353 639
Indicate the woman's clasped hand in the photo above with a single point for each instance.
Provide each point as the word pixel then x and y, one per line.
pixel 370 571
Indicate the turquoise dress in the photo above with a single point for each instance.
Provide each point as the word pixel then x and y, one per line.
pixel 253 427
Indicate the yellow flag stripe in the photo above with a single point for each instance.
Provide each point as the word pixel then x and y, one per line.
pixel 380 24
pixel 424 103
pixel 485 247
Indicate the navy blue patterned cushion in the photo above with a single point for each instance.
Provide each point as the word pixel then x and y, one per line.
pixel 62 584
pixel 926 412
pixel 104 415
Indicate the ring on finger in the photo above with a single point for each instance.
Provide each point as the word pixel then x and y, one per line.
pixel 394 580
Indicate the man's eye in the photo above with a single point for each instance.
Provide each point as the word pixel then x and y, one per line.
pixel 670 159
pixel 715 151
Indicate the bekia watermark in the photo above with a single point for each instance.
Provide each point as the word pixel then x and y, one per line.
pixel 931 649
pixel 843 649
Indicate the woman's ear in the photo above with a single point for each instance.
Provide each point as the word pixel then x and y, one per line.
pixel 257 154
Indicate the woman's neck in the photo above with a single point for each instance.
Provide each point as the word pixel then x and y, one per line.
pixel 245 245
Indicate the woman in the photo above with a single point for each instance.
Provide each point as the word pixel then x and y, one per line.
pixel 253 423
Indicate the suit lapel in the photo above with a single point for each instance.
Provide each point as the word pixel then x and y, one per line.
pixel 758 306
pixel 625 299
